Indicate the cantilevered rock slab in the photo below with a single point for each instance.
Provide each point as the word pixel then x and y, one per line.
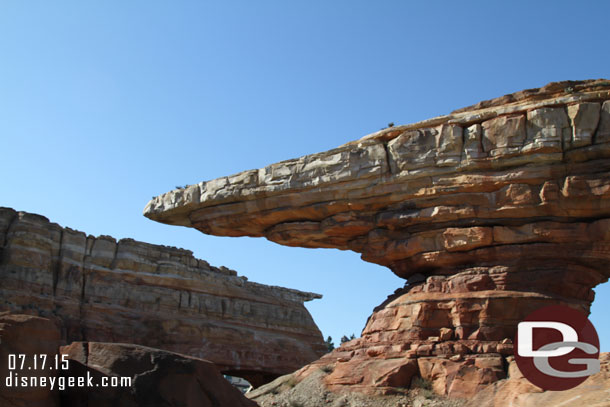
pixel 490 212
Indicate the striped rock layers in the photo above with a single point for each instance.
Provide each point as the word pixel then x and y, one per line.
pixel 488 213
pixel 133 292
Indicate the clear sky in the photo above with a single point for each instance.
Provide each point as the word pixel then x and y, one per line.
pixel 104 104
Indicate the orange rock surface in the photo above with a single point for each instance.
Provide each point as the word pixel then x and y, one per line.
pixel 489 213
pixel 517 391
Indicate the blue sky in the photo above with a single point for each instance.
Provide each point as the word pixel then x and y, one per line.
pixel 104 104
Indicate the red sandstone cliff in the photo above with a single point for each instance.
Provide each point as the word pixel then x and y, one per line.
pixel 489 213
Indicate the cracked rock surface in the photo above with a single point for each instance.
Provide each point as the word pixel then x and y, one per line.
pixel 158 378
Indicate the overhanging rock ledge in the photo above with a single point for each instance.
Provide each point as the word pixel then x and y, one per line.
pixel 489 213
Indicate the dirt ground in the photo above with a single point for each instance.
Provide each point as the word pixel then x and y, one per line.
pixel 310 392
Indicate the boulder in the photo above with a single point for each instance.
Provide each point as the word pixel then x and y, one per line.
pixel 141 376
pixel 32 343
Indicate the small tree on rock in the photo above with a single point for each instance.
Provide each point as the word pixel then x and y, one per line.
pixel 329 343
pixel 344 338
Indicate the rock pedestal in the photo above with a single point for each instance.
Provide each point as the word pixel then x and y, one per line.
pixel 489 213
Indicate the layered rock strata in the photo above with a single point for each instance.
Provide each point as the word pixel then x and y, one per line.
pixel 489 213
pixel 102 290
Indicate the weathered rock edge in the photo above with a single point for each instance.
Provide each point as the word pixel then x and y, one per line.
pixel 366 168
pixel 408 197
pixel 134 292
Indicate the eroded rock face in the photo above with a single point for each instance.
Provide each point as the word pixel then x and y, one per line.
pixel 489 213
pixel 163 297
pixel 156 378
pixel 517 391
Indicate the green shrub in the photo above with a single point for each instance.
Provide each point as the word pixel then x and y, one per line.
pixel 421 383
pixel 327 368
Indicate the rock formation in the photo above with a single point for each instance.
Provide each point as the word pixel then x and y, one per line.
pixel 518 391
pixel 134 375
pixel 34 337
pixel 102 290
pixel 489 213
pixel 158 378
